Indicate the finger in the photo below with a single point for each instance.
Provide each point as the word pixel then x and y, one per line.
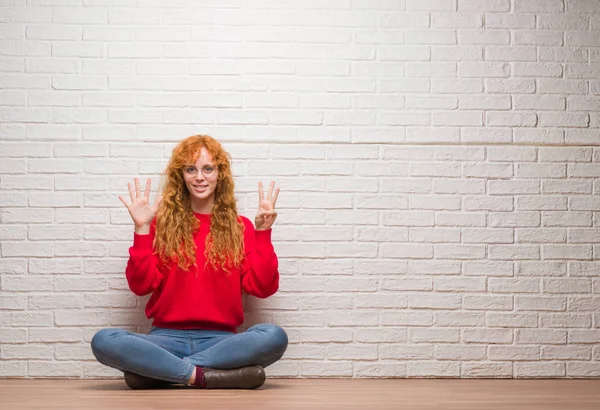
pixel 261 194
pixel 137 188
pixel 124 203
pixel 131 194
pixel 158 201
pixel 275 195
pixel 147 190
pixel 270 194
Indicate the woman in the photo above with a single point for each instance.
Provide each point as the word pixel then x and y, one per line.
pixel 195 255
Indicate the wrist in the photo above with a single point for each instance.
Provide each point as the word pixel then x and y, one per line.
pixel 142 229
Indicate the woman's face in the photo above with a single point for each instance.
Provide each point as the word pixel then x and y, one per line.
pixel 201 181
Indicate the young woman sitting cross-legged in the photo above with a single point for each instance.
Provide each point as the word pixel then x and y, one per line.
pixel 195 255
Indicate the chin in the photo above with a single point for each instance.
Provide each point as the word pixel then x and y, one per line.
pixel 203 197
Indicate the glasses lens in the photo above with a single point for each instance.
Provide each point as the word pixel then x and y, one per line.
pixel 207 171
pixel 190 171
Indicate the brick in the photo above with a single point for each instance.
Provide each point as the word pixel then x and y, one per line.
pixel 431 36
pixel 537 70
pixel 498 285
pixel 456 53
pixel 589 369
pixel 380 300
pixel 539 268
pixel 539 102
pixel 511 119
pixel 73 352
pixel 514 353
pixel 406 352
pixel 55 300
pixel 17 336
pixel 351 352
pixel 567 251
pixel 55 369
pixel 484 6
pixel 449 352
pixel 540 336
pixel 486 135
pixel 517 320
pixel 487 302
pixel 433 369
pixel 27 352
pixel 583 336
pixel 582 268
pixel 458 187
pixel 509 20
pixel 325 335
pixel 566 352
pixel 52 335
pixel 325 369
pixel 26 283
pixel 487 370
pixel 13 368
pixel 541 235
pixel 460 319
pixel 558 119
pixel 483 102
pixel 393 267
pixel 459 219
pixel 513 187
pixel 539 370
pixel 540 303
pixel 510 53
pixel 358 318
pixel 378 335
pixel 456 20
pixel 565 320
pixel 379 369
pixel 568 154
pixel 539 6
pixel 414 318
pixel 563 54
pixel 554 86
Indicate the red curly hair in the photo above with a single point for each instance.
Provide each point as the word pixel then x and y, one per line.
pixel 176 222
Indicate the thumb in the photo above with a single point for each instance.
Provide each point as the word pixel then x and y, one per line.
pixel 158 201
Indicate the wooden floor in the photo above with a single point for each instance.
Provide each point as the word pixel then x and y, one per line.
pixel 281 394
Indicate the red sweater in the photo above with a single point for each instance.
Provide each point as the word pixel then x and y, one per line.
pixel 211 299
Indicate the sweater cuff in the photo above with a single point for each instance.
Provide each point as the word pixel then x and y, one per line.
pixel 142 241
pixel 263 236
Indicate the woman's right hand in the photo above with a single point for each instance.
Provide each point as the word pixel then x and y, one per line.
pixel 140 209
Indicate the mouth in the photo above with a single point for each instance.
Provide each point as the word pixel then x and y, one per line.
pixel 200 188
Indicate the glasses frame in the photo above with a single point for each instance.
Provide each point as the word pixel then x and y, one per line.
pixel 215 169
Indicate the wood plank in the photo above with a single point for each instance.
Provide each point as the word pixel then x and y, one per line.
pixel 365 394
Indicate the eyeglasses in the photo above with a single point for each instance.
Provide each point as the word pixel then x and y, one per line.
pixel 190 171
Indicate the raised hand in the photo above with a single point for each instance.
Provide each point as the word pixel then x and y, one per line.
pixel 140 209
pixel 266 214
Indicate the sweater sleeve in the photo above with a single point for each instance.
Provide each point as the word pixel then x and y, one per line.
pixel 260 272
pixel 143 275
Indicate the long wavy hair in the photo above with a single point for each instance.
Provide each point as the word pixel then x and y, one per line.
pixel 176 222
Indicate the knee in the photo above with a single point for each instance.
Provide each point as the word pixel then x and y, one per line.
pixel 277 338
pixel 103 341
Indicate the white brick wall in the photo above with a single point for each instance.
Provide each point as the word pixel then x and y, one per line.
pixel 438 160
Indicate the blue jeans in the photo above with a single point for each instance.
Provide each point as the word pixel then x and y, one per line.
pixel 171 354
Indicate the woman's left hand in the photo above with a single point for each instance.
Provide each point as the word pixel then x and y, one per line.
pixel 266 214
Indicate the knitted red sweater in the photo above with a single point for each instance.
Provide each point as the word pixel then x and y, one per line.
pixel 211 299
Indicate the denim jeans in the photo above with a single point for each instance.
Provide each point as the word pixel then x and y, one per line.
pixel 171 355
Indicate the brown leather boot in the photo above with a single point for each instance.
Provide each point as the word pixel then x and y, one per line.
pixel 137 382
pixel 249 377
